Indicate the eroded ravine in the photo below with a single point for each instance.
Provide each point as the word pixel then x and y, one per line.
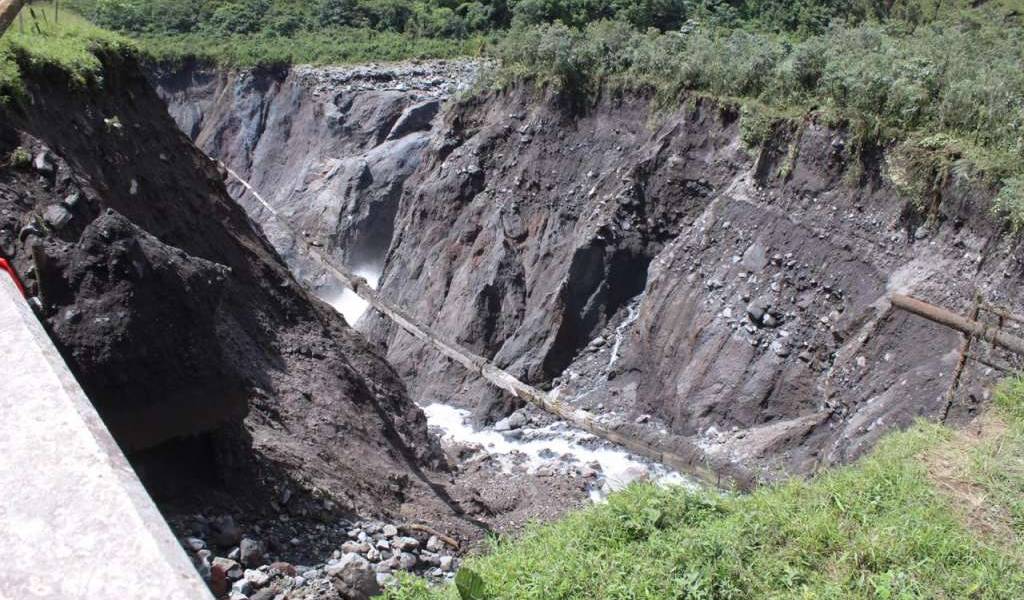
pixel 647 265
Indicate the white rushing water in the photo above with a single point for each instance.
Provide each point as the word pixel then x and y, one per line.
pixel 631 317
pixel 348 303
pixel 551 446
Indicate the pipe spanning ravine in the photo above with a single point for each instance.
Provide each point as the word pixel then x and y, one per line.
pixel 672 451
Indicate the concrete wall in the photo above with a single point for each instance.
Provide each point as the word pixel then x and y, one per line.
pixel 75 522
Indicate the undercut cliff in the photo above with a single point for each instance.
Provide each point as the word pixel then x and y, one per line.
pixel 203 354
pixel 329 148
pixel 647 264
pixel 651 267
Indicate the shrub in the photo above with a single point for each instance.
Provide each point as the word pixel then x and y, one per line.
pixel 20 158
pixel 665 15
pixel 122 15
pixel 239 17
pixel 334 13
pixel 1009 202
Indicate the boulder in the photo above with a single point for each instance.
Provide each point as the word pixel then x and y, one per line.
pixel 405 543
pixel 226 532
pixel 415 118
pixel 43 163
pixel 251 552
pixel 57 216
pixel 407 561
pixel 257 578
pixel 354 577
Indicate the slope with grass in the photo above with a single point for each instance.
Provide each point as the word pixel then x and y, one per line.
pixel 38 41
pixel 942 81
pixel 930 513
pixel 946 95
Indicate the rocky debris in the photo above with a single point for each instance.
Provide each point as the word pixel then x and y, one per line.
pixel 57 216
pixel 354 577
pixel 44 163
pixel 225 531
pixel 250 552
pixel 516 420
pixel 418 117
pixel 434 78
pixel 753 293
pixel 367 557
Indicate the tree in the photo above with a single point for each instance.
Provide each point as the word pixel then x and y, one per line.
pixel 387 15
pixel 239 17
pixel 665 15
pixel 344 13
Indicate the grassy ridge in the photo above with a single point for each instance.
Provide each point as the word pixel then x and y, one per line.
pixel 951 89
pixel 335 47
pixel 930 513
pixel 37 41
pixel 943 79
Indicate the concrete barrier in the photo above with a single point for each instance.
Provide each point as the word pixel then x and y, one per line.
pixel 75 521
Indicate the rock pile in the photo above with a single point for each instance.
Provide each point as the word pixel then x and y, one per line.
pixel 433 78
pixel 253 564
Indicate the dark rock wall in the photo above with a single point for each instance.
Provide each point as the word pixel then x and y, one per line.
pixel 329 149
pixel 645 263
pixel 176 314
pixel 649 264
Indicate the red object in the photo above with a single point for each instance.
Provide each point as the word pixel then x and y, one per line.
pixel 5 266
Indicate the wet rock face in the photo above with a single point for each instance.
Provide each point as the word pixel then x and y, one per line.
pixel 328 148
pixel 654 268
pixel 179 319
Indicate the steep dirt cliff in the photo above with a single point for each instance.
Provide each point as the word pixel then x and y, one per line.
pixel 329 148
pixel 652 268
pixel 647 264
pixel 201 352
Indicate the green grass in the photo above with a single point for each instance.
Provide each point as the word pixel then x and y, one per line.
pixel 37 43
pixel 334 47
pixel 959 79
pixel 930 513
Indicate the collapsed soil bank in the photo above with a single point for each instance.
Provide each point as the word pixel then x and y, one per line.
pixel 204 356
pixel 240 398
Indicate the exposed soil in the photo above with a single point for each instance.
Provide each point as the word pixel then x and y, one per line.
pixel 234 391
pixel 330 149
pixel 758 280
pixel 647 265
pixel 179 319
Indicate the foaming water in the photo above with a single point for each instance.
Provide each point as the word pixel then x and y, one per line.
pixel 551 446
pixel 631 317
pixel 348 303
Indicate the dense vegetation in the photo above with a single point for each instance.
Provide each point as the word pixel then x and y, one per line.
pixel 931 513
pixel 39 41
pixel 944 79
pixel 943 88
